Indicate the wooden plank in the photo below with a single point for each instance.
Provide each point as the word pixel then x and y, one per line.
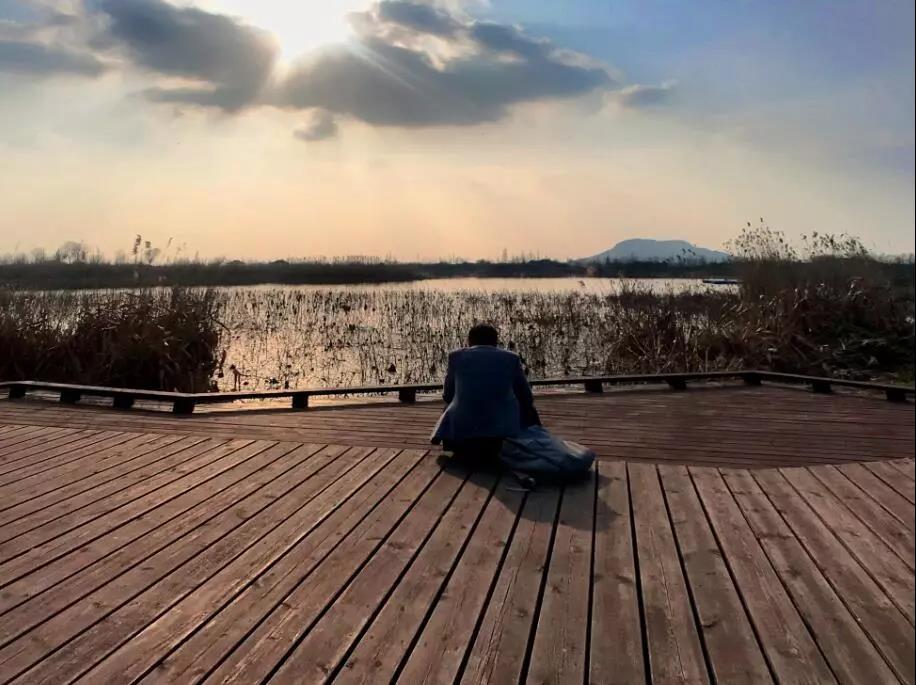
pixel 135 452
pixel 359 521
pixel 33 543
pixel 76 638
pixel 875 556
pixel 716 419
pixel 182 463
pixel 82 463
pixel 716 437
pixel 883 623
pixel 733 652
pixel 15 463
pixel 79 533
pixel 906 466
pixel 27 434
pixel 844 642
pixel 726 438
pixel 14 434
pixel 616 649
pixel 145 459
pixel 51 456
pixel 140 654
pixel 791 651
pixel 59 584
pixel 59 464
pixel 326 645
pixel 675 648
pixel 561 641
pixel 441 645
pixel 346 587
pixel 324 419
pixel 30 435
pixel 661 449
pixel 498 652
pixel 894 534
pixel 882 493
pixel 892 479
pixel 98 390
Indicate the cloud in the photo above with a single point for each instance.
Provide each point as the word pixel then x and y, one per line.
pixel 639 96
pixel 409 64
pixel 38 59
pixel 476 73
pixel 229 61
pixel 509 39
pixel 418 17
pixel 320 127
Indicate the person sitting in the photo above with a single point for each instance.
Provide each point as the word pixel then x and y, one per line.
pixel 488 398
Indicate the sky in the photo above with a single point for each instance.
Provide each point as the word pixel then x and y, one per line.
pixel 423 129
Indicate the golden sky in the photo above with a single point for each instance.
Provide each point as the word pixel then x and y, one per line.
pixel 436 130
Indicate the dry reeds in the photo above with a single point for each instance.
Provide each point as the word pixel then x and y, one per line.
pixel 152 339
pixel 828 309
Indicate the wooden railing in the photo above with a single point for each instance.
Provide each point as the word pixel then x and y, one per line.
pixel 184 403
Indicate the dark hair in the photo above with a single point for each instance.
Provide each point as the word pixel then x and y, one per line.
pixel 483 334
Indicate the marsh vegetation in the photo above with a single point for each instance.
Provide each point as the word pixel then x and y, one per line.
pixel 823 307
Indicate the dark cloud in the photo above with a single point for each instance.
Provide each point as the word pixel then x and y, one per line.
pixel 38 59
pixel 418 16
pixel 320 127
pixel 410 64
pixel 55 18
pixel 637 96
pixel 508 39
pixel 394 83
pixel 32 25
pixel 233 61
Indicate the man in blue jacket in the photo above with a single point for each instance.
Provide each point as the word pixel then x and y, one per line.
pixel 488 397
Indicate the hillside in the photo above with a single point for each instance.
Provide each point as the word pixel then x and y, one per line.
pixel 645 250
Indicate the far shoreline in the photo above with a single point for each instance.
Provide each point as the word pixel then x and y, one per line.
pixel 92 276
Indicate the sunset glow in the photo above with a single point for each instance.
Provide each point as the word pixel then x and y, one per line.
pixel 278 128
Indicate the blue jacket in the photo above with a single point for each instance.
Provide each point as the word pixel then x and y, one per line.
pixel 487 394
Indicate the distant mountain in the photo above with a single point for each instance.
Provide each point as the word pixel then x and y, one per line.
pixel 645 250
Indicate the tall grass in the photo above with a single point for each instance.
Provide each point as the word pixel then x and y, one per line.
pixel 152 339
pixel 283 337
pixel 823 307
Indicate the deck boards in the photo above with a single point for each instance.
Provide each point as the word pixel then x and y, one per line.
pixel 717 426
pixel 141 548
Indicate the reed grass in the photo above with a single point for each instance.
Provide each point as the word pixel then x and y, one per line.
pixel 827 309
pixel 151 339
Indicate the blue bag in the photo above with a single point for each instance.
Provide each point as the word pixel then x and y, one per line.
pixel 536 452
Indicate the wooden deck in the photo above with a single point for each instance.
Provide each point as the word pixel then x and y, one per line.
pixel 728 535
pixel 717 425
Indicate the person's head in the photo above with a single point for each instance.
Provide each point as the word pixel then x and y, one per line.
pixel 483 334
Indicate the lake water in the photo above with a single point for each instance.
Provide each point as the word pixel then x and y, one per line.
pixel 320 336
pixel 599 286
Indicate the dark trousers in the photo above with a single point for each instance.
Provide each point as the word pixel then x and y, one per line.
pixel 488 448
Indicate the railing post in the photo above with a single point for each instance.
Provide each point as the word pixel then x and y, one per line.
pixel 300 400
pixel 70 396
pixel 122 402
pixel 407 395
pixel 17 392
pixel 752 379
pixel 183 405
pixel 821 387
pixel 895 395
pixel 593 385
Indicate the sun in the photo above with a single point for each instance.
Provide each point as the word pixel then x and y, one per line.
pixel 299 25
